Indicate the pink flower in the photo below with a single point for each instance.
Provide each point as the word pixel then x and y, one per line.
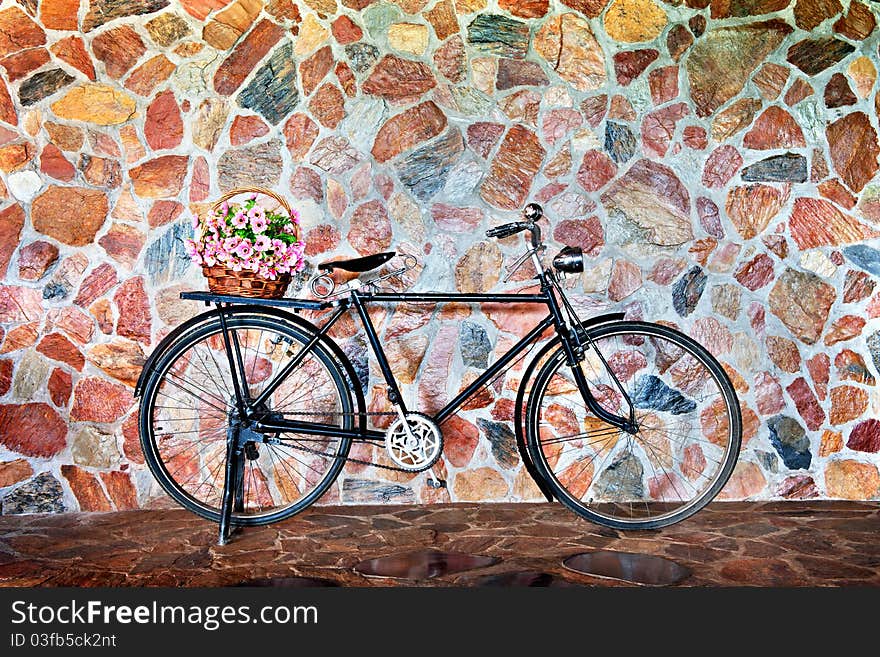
pixel 240 220
pixel 259 224
pixel 268 272
pixel 214 238
pixel 244 249
pixel 262 243
pixel 193 250
pixel 294 251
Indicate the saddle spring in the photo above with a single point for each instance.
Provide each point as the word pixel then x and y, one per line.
pixel 324 287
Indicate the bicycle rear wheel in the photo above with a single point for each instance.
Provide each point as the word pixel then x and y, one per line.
pixel 689 427
pixel 188 402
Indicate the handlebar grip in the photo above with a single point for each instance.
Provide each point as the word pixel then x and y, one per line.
pixel 506 230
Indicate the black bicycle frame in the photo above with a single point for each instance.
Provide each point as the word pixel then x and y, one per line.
pixel 359 301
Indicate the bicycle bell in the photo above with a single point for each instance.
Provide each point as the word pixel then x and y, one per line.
pixel 533 212
pixel 570 260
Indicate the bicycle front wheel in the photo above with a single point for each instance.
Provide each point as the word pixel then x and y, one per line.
pixel 189 401
pixel 688 437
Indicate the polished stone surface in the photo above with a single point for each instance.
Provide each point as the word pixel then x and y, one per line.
pixel 424 564
pixel 644 569
pixel 809 543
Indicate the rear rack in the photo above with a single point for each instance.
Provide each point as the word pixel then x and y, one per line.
pixel 298 304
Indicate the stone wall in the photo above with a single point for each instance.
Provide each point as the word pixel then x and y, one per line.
pixel 716 159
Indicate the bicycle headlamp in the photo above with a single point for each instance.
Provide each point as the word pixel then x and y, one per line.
pixel 570 260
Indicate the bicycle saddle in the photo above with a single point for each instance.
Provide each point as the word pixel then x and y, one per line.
pixel 358 264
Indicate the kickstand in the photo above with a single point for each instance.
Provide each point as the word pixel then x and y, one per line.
pixel 231 489
pixel 434 481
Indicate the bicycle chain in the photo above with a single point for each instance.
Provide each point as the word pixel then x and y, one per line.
pixel 348 458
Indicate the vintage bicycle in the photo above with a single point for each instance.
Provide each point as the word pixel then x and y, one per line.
pixel 248 411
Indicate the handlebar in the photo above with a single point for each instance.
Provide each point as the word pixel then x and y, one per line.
pixel 532 213
pixel 507 230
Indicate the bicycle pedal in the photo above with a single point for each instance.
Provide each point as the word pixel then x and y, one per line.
pixel 437 483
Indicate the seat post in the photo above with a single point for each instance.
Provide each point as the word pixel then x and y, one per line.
pixel 394 395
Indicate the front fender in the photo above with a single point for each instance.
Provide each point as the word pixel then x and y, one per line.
pixel 519 427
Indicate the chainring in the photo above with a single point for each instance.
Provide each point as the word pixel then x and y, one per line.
pixel 418 448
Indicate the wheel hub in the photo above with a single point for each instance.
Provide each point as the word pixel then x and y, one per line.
pixel 414 443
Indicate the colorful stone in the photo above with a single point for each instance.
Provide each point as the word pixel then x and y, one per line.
pixel 32 429
pixel 568 45
pixel 632 21
pixel 233 71
pixel 851 480
pixel 652 197
pixel 513 169
pixel 628 65
pixel 720 63
pixel 774 128
pixel 498 35
pixel 802 302
pixel 721 165
pixel 815 222
pixel 812 56
pixel 72 215
pixel 397 79
pixel 750 208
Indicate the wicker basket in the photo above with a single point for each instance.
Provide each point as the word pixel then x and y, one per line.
pixel 222 280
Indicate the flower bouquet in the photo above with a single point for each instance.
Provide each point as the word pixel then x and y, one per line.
pixel 246 249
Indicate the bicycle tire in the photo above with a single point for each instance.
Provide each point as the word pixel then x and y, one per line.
pixel 586 492
pixel 280 455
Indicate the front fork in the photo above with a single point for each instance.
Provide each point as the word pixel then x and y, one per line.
pixel 575 348
pixel 626 424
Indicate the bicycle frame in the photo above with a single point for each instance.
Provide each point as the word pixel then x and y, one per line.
pixel 359 301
